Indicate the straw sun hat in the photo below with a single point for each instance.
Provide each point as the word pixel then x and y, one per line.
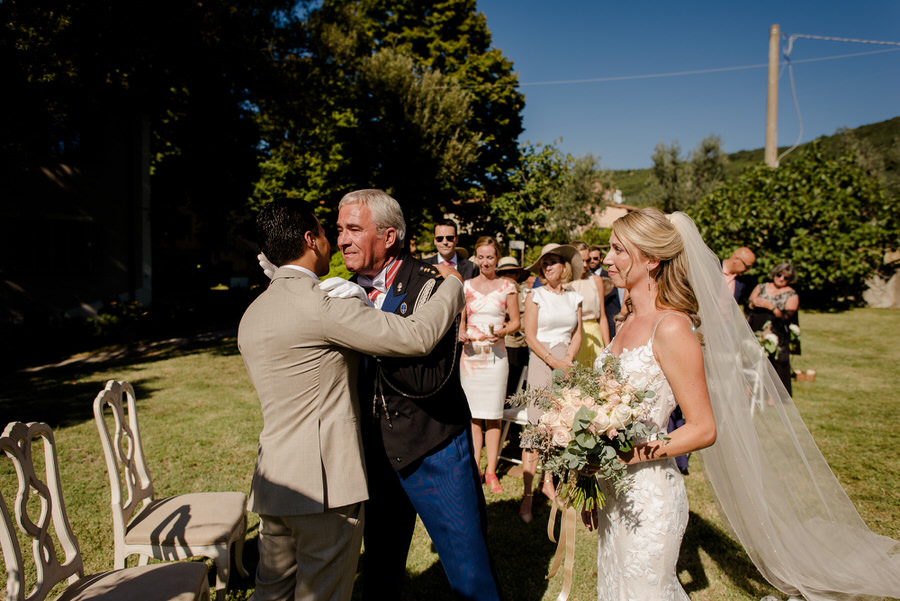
pixel 569 254
pixel 509 267
pixel 508 264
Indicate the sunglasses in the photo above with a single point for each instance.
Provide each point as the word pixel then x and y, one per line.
pixel 442 238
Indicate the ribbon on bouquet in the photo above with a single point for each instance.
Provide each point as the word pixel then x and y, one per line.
pixel 565 548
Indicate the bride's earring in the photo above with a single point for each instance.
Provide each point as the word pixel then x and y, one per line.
pixel 648 277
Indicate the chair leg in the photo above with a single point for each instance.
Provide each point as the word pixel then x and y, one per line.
pixel 503 432
pixel 239 557
pixel 223 569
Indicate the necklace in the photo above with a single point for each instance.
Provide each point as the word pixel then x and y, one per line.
pixel 558 290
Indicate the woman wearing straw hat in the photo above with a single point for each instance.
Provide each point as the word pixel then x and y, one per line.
pixel 553 333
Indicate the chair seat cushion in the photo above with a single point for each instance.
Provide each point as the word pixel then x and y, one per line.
pixel 181 581
pixel 517 415
pixel 197 519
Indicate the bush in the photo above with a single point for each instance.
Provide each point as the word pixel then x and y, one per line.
pixel 826 216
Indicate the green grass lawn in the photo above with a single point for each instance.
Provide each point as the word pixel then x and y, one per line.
pixel 200 420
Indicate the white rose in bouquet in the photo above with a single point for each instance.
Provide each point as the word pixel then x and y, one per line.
pixel 620 416
pixel 571 395
pixel 561 436
pixel 601 422
pixel 550 419
pixel 567 415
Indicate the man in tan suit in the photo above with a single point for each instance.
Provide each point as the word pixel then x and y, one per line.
pixel 300 347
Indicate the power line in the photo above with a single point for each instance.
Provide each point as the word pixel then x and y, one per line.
pixel 675 73
pixel 789 64
pixel 833 39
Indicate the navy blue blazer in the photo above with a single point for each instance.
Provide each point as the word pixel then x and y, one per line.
pixel 416 404
pixel 612 305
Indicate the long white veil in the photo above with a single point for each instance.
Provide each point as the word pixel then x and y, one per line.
pixel 774 487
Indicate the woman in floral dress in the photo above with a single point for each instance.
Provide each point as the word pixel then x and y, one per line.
pixel 773 308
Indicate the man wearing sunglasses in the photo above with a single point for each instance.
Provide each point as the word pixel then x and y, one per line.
pixel 445 239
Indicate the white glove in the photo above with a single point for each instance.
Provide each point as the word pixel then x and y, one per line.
pixel 267 266
pixel 341 288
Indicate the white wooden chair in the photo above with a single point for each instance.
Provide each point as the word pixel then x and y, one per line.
pixel 512 415
pixel 753 363
pixel 51 532
pixel 203 524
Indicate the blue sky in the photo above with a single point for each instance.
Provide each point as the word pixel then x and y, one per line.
pixel 623 120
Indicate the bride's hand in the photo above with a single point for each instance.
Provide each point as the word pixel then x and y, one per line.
pixel 590 519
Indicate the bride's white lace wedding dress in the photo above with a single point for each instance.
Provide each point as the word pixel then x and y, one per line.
pixel 640 530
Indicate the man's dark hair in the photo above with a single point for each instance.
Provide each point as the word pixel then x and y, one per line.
pixel 281 226
pixel 448 223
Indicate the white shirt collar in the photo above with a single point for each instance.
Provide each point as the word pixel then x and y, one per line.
pixel 302 270
pixel 378 282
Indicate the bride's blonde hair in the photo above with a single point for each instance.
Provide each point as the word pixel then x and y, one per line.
pixel 653 235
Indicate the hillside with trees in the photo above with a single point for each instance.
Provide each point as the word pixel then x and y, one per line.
pixel 877 147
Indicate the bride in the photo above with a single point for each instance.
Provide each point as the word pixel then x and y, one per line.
pixel 774 488
pixel 640 531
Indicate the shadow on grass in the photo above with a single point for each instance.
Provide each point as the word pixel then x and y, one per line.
pixel 724 551
pixel 521 554
pixel 63 395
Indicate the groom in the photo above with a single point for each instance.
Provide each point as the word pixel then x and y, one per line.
pixel 299 346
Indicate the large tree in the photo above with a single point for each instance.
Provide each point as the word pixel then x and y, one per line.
pixel 76 71
pixel 826 216
pixel 407 96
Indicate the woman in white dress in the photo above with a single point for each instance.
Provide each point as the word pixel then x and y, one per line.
pixel 483 367
pixel 640 530
pixel 553 334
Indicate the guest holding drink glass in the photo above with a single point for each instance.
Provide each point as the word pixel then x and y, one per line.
pixel 491 300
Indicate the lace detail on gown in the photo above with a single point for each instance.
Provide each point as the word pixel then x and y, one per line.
pixel 640 531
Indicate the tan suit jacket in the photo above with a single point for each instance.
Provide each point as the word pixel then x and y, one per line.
pixel 300 349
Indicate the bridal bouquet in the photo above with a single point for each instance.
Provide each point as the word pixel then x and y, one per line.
pixel 589 417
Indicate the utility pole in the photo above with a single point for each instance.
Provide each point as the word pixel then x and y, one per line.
pixel 772 104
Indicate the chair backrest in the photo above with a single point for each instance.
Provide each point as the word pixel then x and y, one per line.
pixel 17 442
pixel 124 453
